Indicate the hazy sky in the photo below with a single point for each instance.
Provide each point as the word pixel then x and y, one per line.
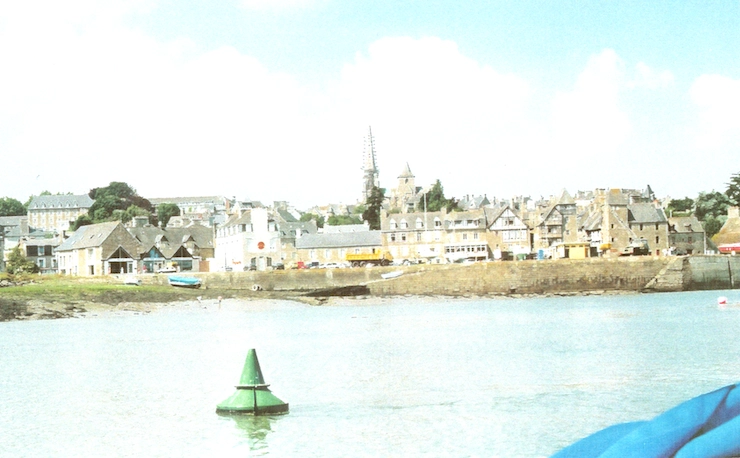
pixel 271 99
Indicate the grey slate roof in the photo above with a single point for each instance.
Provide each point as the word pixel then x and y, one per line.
pixel 340 240
pixel 10 221
pixel 685 224
pixel 645 213
pixel 60 201
pixel 170 240
pixel 88 236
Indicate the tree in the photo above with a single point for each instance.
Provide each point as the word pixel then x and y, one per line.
pixel 343 220
pixel 11 207
pixel 436 200
pixel 82 220
pixel 320 220
pixel 113 201
pixel 18 262
pixel 165 212
pixel 711 210
pixel 733 189
pixel 680 206
pixel 373 205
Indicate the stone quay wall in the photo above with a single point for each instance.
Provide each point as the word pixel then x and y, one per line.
pixel 640 273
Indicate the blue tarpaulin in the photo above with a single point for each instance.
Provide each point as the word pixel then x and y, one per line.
pixel 702 427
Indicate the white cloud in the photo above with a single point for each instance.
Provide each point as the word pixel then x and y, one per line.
pixel 426 100
pixel 589 119
pixel 718 101
pixel 88 101
pixel 646 77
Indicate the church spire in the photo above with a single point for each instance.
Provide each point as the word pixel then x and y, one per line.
pixel 369 167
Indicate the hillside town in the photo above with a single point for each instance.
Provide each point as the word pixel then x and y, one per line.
pixel 217 233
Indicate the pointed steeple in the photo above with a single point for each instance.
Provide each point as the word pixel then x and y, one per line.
pixel 406 172
pixel 369 166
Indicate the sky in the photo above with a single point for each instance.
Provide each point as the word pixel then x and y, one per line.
pixel 272 99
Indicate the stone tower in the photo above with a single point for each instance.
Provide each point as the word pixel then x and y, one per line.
pixel 369 167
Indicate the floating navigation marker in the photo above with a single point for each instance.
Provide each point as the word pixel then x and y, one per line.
pixel 252 396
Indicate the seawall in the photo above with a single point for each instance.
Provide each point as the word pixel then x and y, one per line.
pixel 642 273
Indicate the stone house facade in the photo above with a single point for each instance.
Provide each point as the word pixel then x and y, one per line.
pixel 57 213
pixel 99 249
pixel 686 236
pixel 257 239
pixel 323 248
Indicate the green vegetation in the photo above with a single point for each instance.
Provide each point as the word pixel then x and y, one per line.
pixel 11 207
pixel 165 212
pixel 373 205
pixel 17 262
pixel 341 220
pixel 116 202
pixel 312 216
pixel 435 199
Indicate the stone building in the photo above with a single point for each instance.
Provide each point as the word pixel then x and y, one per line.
pixel 57 213
pixel 257 239
pixel 415 236
pixel 406 197
pixel 686 235
pixel 99 249
pixel 335 246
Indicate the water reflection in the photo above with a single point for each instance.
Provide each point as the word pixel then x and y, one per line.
pixel 256 428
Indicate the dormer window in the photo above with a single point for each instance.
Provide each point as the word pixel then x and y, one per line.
pixel 393 224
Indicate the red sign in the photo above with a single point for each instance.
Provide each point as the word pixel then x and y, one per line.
pixel 261 245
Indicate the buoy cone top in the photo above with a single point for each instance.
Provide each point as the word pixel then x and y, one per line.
pixel 252 396
pixel 251 374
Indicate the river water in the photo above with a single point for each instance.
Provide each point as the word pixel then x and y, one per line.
pixel 376 377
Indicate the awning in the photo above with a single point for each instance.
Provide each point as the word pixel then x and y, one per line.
pixel 729 248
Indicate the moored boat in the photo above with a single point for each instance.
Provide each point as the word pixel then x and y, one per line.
pixel 184 282
pixel 394 274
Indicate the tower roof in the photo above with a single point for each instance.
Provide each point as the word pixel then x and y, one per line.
pixel 406 172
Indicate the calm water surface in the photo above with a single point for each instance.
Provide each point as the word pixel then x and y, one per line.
pixel 395 377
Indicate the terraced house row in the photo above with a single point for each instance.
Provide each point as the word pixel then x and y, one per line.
pixel 215 233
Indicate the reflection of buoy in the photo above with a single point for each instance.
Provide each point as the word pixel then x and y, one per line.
pixel 722 300
pixel 252 396
pixel 256 288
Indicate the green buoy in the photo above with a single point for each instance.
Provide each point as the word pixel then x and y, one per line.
pixel 252 396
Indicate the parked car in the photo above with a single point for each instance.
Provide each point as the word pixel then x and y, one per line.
pixel 330 265
pixel 167 270
pixel 278 266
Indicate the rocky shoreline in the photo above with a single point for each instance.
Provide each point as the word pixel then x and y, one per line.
pixel 59 308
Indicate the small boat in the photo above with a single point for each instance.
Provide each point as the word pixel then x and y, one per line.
pixel 394 274
pixel 184 282
pixel 132 281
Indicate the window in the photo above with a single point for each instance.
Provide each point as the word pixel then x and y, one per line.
pixel 465 236
pixel 418 236
pixel 657 226
pixel 437 222
pixel 393 224
pixel 41 252
pixel 475 236
pixel 404 224
pixel 393 237
pixel 403 237
pixel 657 239
pixel 419 223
